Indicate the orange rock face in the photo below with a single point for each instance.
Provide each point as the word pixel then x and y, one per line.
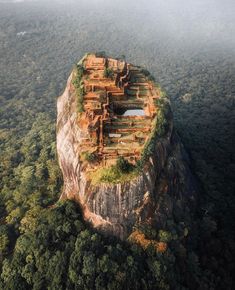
pixel 119 107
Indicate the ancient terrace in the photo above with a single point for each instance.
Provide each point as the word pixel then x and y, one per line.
pixel 119 107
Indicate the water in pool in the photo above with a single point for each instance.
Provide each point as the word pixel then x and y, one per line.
pixel 134 112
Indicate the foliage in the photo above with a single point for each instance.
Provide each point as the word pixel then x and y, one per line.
pixel 147 74
pixel 32 179
pixel 164 236
pixel 159 129
pixel 100 54
pixel 89 156
pixel 140 238
pixel 79 86
pixel 64 253
pixel 108 73
pixel 120 172
pixel 123 165
pixel 162 94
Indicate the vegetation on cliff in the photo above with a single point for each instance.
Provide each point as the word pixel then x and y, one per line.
pixel 78 85
pixel 121 172
pixel 108 73
pixel 160 125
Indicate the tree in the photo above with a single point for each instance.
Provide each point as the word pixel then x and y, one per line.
pixel 108 73
pixel 123 165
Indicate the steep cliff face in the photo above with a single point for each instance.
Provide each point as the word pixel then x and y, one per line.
pixel 163 189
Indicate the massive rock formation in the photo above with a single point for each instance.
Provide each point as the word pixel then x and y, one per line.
pixel 110 109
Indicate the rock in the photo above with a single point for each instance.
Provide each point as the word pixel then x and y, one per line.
pixel 162 190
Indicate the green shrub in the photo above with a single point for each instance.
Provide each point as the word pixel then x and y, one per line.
pixel 162 92
pixel 100 54
pixel 108 73
pixel 120 172
pixel 123 165
pixel 148 230
pixel 164 236
pixel 147 74
pixel 90 157
pixel 159 129
pixel 79 87
pixel 151 78
pixel 80 71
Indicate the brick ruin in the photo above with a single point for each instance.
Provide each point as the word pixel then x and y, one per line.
pixel 119 109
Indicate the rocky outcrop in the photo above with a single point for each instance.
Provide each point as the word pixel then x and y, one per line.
pixel 163 187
